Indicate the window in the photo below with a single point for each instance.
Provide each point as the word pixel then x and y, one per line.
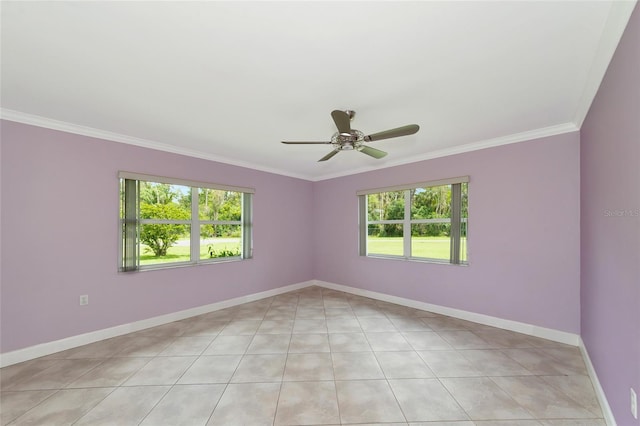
pixel 171 222
pixel 426 221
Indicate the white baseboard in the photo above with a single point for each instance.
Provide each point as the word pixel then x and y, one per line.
pixel 520 327
pixel 602 398
pixel 49 348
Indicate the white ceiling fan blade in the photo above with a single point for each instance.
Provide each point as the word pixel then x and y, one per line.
pixel 375 153
pixel 305 143
pixel 342 120
pixel 329 155
pixel 409 129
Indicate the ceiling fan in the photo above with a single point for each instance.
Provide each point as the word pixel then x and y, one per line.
pixel 348 139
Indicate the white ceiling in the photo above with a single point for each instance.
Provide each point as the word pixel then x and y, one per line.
pixel 229 80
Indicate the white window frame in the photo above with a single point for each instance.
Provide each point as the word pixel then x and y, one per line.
pixel 456 221
pixel 129 246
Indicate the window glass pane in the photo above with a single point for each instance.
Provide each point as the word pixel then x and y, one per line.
pixel 464 188
pixel 220 241
pixel 129 216
pixel 157 222
pixel 463 241
pixel 385 206
pixel 385 239
pixel 431 240
pixel 122 201
pixel 161 243
pixel 464 214
pixel 164 201
pixel 215 204
pixel 431 203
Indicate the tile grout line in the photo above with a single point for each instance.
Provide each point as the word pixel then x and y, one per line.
pixel 226 386
pixel 333 371
pixel 94 406
pixel 284 369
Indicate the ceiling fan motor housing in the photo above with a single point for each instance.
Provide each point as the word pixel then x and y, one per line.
pixel 347 141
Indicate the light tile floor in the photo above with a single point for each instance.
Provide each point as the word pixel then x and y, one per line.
pixel 309 357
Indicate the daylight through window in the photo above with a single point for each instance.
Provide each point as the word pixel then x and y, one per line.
pixel 171 222
pixel 426 221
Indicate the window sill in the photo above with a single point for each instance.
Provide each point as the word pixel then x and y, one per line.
pixel 164 266
pixel 414 259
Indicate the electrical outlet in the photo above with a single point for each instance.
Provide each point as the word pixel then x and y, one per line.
pixel 84 300
pixel 634 404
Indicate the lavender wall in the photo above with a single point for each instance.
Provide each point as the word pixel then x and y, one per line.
pixel 523 234
pixel 610 226
pixel 60 236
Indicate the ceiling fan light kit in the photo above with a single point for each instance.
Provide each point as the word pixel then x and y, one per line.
pixel 348 139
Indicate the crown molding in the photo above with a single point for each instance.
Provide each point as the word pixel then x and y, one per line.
pixel 461 149
pixel 63 126
pixel 36 120
pixel 614 27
